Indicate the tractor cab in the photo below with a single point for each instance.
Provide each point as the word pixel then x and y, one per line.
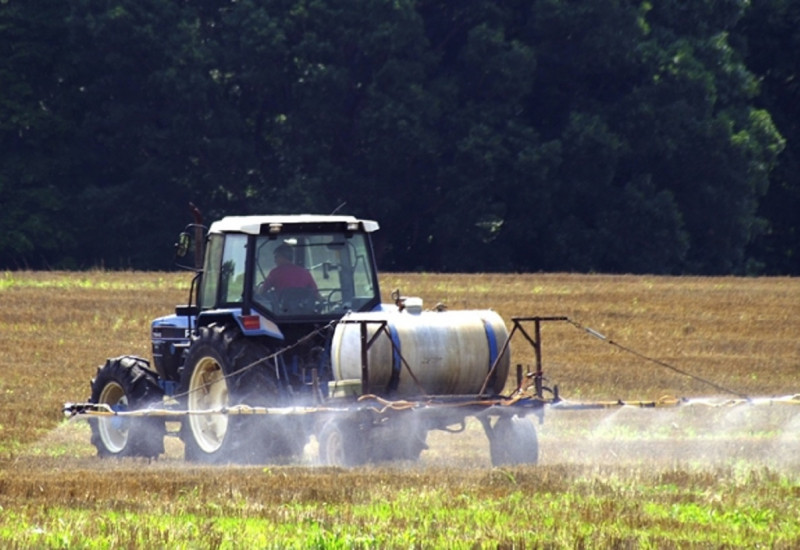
pixel 290 268
pixel 276 277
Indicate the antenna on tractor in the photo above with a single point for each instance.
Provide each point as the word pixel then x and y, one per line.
pixel 335 210
pixel 198 235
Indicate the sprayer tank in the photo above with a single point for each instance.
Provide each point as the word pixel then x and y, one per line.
pixel 449 353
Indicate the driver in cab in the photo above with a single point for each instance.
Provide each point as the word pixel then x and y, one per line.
pixel 286 274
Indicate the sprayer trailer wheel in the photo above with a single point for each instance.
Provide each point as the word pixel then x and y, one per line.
pixel 125 384
pixel 513 441
pixel 400 437
pixel 340 444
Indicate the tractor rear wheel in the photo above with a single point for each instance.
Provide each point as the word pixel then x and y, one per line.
pixel 513 441
pixel 127 384
pixel 223 369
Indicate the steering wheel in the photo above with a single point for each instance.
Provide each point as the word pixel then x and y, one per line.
pixel 329 301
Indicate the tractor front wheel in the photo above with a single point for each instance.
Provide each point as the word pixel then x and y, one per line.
pixel 127 384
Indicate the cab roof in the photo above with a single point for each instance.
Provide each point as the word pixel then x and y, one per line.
pixel 253 225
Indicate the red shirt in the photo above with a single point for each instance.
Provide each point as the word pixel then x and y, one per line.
pixel 289 276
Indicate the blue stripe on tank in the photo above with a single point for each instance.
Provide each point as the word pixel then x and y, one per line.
pixel 396 360
pixel 491 337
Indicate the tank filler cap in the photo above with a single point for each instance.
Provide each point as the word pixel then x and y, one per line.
pixel 413 305
pixel 410 305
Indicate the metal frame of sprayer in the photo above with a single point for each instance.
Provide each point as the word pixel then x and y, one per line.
pixel 511 441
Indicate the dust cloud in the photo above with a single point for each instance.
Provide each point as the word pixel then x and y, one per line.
pixel 705 433
pixel 700 433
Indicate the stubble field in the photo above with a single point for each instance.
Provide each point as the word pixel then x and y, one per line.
pixel 697 475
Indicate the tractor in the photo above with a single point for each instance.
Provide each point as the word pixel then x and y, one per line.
pixel 285 338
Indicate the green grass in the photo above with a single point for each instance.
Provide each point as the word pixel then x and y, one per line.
pixel 519 508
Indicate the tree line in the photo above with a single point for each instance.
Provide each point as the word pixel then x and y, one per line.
pixel 484 135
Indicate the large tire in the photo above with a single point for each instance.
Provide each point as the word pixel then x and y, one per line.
pixel 222 370
pixel 126 384
pixel 513 441
pixel 340 444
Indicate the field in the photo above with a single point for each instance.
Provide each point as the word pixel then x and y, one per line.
pixel 695 476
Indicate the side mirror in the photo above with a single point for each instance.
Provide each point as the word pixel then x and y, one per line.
pixel 189 248
pixel 183 245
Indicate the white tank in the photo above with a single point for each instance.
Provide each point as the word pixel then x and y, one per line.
pixel 449 352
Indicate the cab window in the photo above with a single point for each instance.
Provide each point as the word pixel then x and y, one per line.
pixel 231 281
pixel 339 266
pixel 223 272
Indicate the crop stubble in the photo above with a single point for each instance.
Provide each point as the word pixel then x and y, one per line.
pixel 55 328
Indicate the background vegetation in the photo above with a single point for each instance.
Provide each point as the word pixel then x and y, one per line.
pixel 693 477
pixel 484 135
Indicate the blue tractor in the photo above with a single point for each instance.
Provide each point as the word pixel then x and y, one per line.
pixel 242 340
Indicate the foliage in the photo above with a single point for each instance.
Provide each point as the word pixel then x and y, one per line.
pixel 769 31
pixel 31 133
pixel 521 135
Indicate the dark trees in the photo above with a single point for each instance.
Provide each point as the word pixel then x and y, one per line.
pixel 770 36
pixel 508 135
